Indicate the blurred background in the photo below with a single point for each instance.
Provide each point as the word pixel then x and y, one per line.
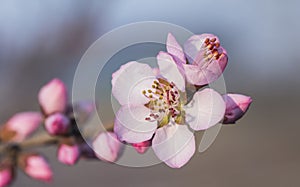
pixel 43 40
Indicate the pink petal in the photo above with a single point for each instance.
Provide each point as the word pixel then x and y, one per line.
pixel 107 146
pixel 37 167
pixel 131 126
pixel 24 124
pixel 192 47
pixel 68 154
pixel 170 70
pixel 57 124
pixel 236 106
pixel 53 97
pixel 200 71
pixel 205 110
pixel 175 49
pixel 142 147
pixel 6 176
pixel 174 144
pixel 129 82
pixel 201 76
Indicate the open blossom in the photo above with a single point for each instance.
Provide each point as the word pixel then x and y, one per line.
pixel 53 97
pixel 20 126
pixel 156 106
pixel 68 154
pixel 107 147
pixel 36 166
pixel 236 106
pixel 57 124
pixel 202 59
pixel 6 174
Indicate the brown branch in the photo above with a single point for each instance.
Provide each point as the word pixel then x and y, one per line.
pixel 43 139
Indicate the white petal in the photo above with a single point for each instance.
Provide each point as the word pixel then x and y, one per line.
pixel 129 82
pixel 131 126
pixel 169 69
pixel 174 144
pixel 205 110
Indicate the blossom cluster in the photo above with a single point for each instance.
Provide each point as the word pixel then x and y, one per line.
pixel 18 136
pixel 160 108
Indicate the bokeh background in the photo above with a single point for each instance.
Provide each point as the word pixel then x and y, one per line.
pixel 40 40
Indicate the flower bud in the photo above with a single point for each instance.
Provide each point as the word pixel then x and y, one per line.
pixel 53 97
pixel 236 106
pixel 57 124
pixel 142 147
pixel 36 166
pixel 68 154
pixel 6 174
pixel 20 126
pixel 107 147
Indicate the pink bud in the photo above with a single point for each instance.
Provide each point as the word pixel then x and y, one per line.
pixel 6 175
pixel 53 97
pixel 57 124
pixel 38 168
pixel 20 126
pixel 236 106
pixel 68 154
pixel 142 147
pixel 107 146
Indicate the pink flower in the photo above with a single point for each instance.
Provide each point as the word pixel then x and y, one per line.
pixel 236 106
pixel 57 124
pixel 157 106
pixel 53 97
pixel 37 167
pixel 20 126
pixel 107 147
pixel 202 60
pixel 142 147
pixel 6 175
pixel 68 154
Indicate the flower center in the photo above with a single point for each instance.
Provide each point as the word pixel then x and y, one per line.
pixel 210 51
pixel 165 103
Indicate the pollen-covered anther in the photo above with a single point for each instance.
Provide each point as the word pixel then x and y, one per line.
pixel 213 39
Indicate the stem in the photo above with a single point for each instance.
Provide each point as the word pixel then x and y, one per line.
pixel 42 139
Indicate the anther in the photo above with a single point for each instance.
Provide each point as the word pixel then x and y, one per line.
pixel 210 47
pixel 213 39
pixel 206 41
pixel 215 53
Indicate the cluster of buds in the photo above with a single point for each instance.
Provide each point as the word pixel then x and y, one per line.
pixel 18 137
